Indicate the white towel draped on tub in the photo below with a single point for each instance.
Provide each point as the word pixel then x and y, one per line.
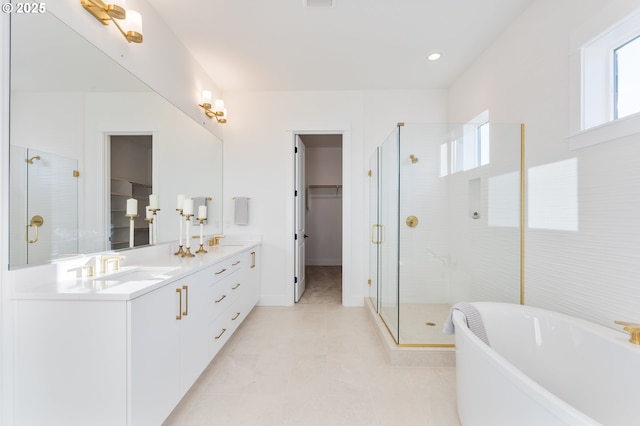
pixel 241 213
pixel 473 319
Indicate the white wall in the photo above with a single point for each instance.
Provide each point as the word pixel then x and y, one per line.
pixel 259 164
pixel 591 272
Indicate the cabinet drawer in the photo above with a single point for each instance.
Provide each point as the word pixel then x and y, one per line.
pixel 223 269
pixel 225 292
pixel 226 324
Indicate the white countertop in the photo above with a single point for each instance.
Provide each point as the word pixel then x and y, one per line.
pixel 57 282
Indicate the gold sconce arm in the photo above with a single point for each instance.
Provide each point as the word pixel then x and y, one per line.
pixel 633 329
pixel 106 13
pixel 218 115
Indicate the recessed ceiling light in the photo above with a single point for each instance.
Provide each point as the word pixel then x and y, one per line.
pixel 433 57
pixel 318 3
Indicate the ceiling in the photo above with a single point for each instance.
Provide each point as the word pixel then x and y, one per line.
pixel 248 45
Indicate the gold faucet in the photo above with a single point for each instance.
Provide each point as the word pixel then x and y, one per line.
pixel 110 257
pixel 633 329
pixel 215 240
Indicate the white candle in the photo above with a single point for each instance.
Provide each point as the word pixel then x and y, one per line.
pixel 187 208
pixel 149 212
pixel 132 207
pixel 180 204
pixel 202 212
pixel 154 202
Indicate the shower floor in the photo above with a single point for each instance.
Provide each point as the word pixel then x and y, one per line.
pixel 420 323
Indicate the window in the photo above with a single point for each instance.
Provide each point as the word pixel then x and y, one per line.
pixel 611 74
pixel 627 78
pixel 482 144
pixel 605 77
pixel 470 146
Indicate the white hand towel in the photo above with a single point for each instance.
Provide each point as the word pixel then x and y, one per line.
pixel 241 214
pixel 473 319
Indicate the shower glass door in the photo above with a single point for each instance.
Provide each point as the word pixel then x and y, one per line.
pixel 449 200
pixel 388 201
pixel 375 233
pixel 44 214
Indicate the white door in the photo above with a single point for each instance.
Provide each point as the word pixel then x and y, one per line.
pixel 299 214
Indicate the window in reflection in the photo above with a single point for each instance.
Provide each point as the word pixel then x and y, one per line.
pixel 553 196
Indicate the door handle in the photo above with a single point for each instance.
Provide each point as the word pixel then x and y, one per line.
pixel 376 234
pixel 35 222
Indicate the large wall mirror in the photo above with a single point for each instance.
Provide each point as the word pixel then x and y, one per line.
pixel 68 102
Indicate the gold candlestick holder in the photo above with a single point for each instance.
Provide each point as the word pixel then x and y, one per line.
pixel 155 226
pixel 187 252
pixel 201 249
pixel 180 251
pixel 150 222
pixel 132 218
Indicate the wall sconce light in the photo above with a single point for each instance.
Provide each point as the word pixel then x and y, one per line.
pixel 105 13
pixel 218 111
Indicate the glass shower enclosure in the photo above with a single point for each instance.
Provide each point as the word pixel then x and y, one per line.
pixel 446 224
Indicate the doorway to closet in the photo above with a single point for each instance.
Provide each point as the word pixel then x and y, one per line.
pixel 130 176
pixel 319 219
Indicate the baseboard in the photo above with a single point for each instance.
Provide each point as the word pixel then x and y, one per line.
pixel 323 262
pixel 274 300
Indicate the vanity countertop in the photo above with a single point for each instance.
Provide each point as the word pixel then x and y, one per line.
pixel 138 274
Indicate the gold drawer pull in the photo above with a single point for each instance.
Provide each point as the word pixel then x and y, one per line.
pixel 235 263
pixel 236 317
pixel 235 286
pixel 179 316
pixel 220 300
pixel 219 272
pixel 186 301
pixel 253 259
pixel 221 333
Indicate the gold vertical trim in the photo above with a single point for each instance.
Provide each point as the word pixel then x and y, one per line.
pixel 522 215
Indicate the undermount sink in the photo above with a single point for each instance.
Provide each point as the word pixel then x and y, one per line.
pixel 137 273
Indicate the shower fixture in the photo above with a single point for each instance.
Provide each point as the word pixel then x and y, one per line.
pixel 414 159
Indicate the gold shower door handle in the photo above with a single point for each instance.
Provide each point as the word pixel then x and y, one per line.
pixel 36 222
pixel 379 234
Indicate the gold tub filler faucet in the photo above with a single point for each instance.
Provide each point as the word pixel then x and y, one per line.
pixel 633 329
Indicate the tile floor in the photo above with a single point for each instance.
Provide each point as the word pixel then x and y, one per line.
pixel 316 363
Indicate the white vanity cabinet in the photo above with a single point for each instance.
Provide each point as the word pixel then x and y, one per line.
pixel 130 361
pixel 168 346
pixel 235 296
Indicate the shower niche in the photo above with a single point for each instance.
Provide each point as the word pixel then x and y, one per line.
pixel 445 224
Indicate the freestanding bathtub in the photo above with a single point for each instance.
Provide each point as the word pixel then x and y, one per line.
pixel 544 368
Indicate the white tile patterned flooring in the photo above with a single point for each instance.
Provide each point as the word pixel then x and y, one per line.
pixel 316 363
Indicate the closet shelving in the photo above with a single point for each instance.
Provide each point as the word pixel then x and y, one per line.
pixel 337 187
